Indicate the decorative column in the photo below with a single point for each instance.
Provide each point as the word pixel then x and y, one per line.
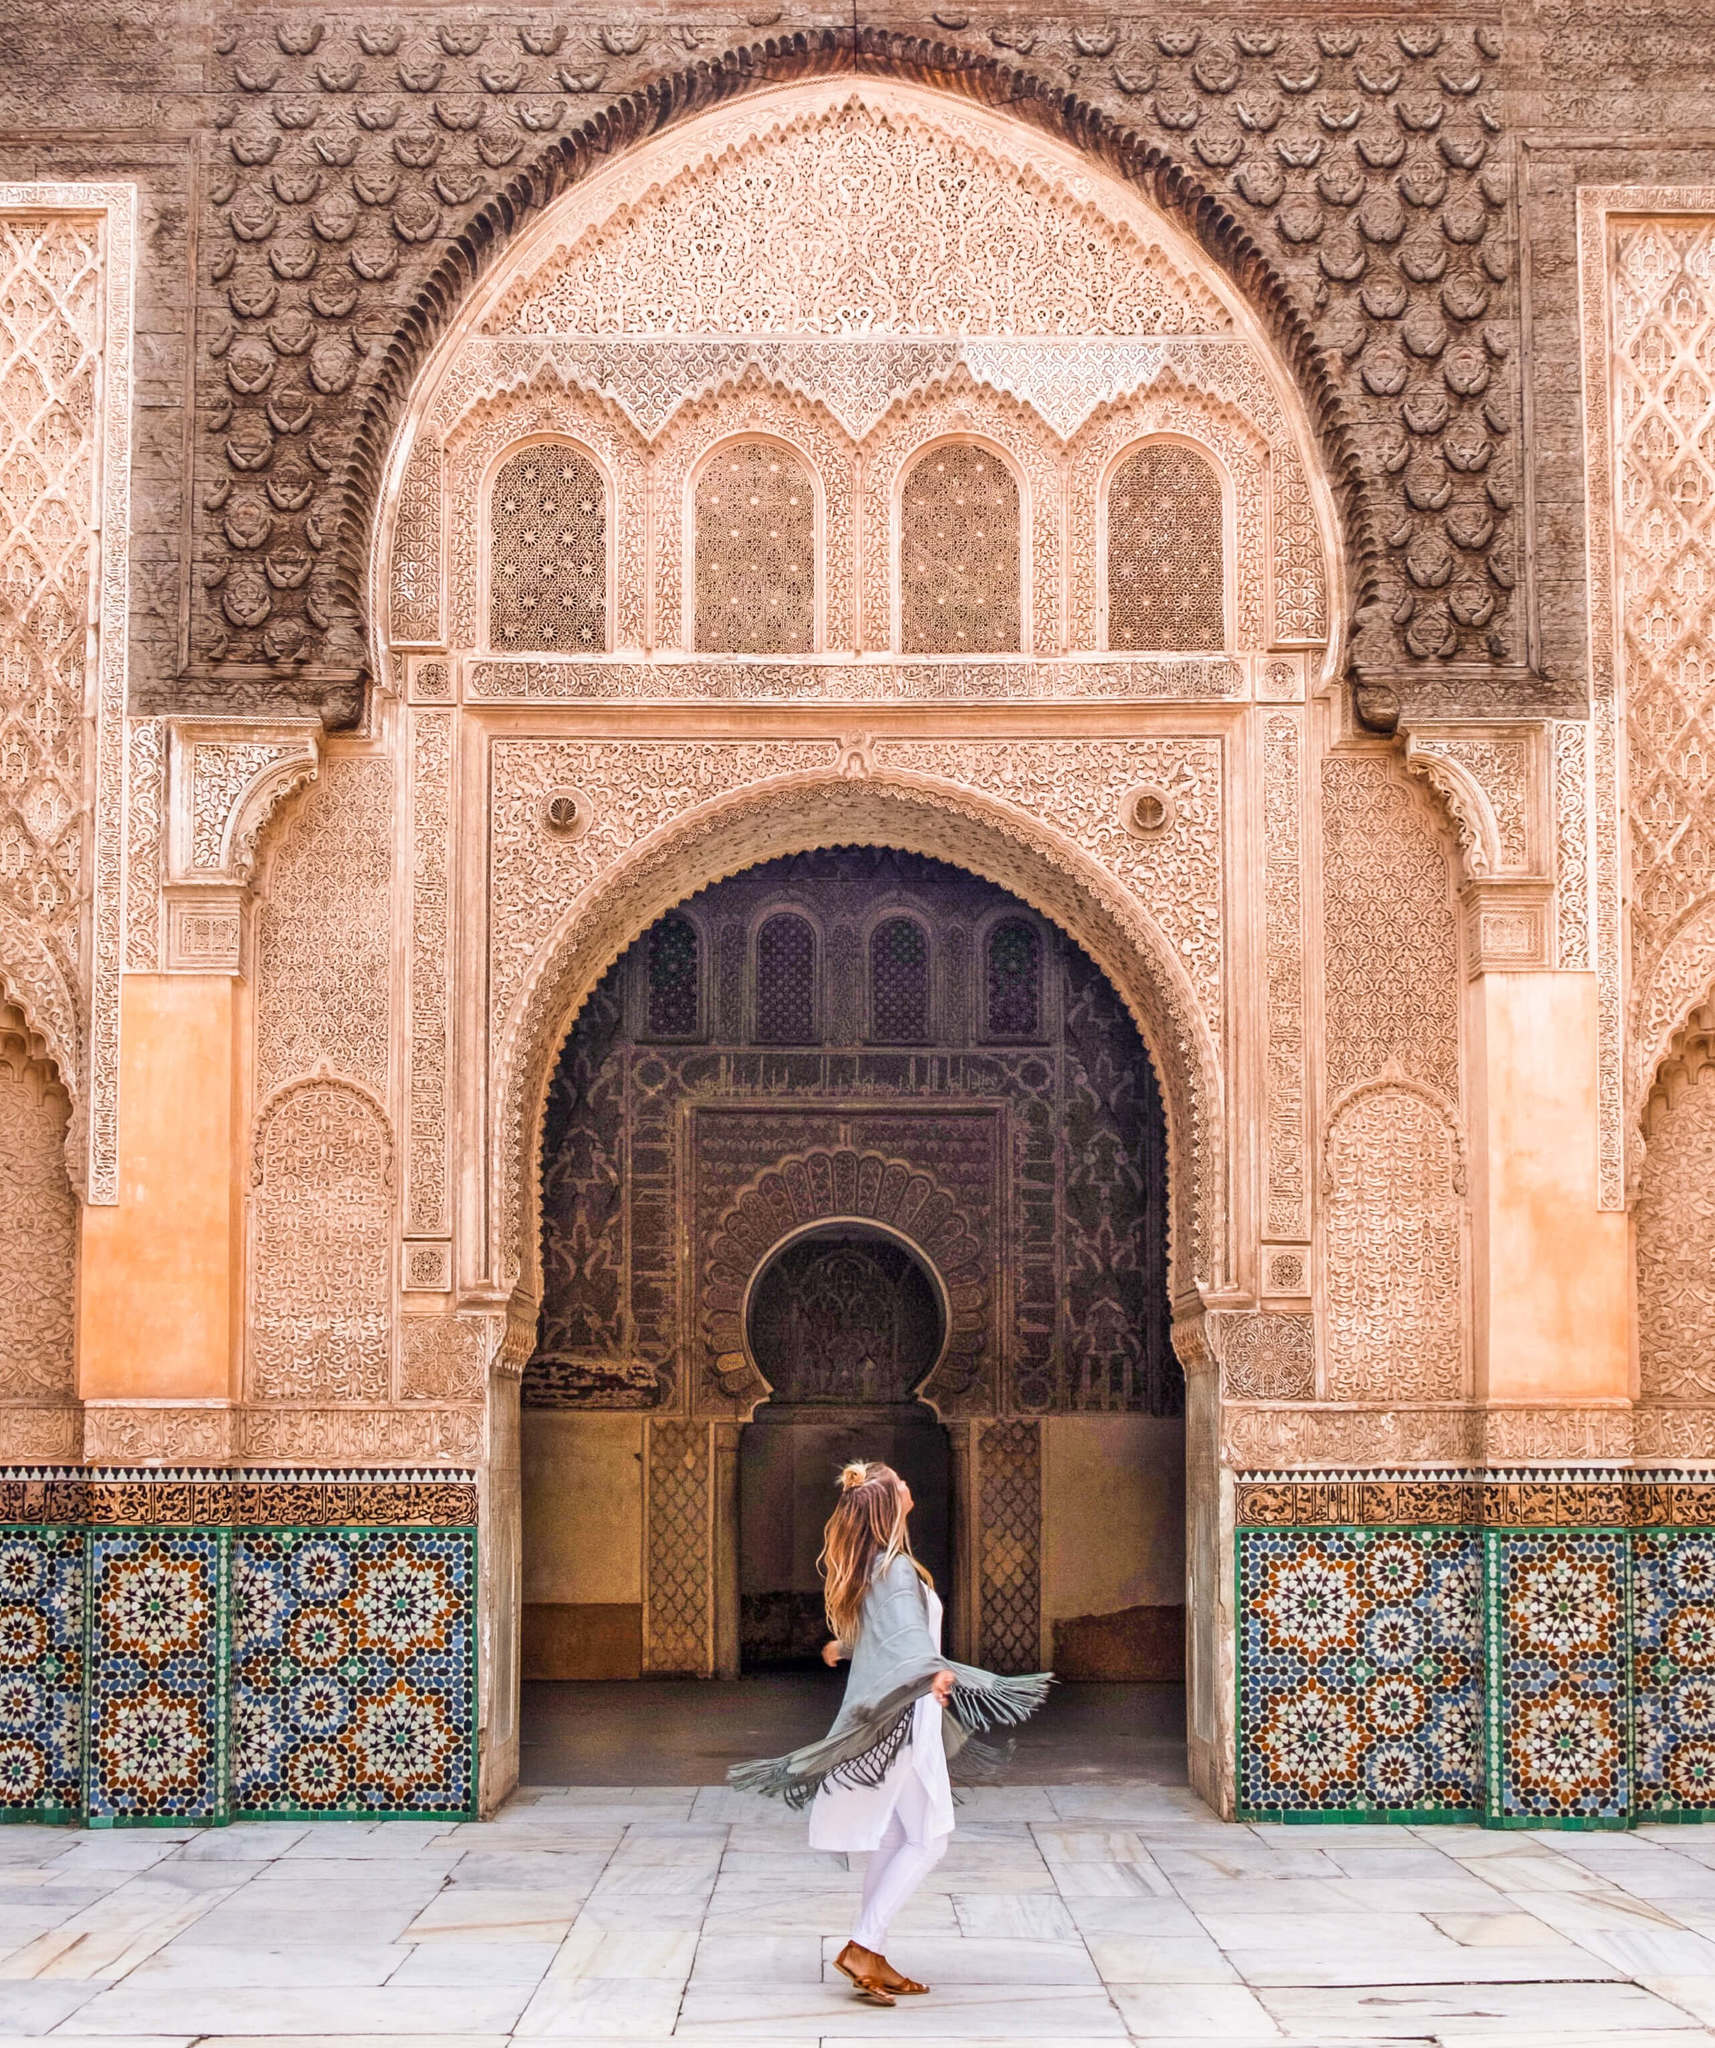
pixel 1551 1266
pixel 161 1271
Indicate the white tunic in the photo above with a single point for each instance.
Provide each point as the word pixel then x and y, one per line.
pixel 854 1817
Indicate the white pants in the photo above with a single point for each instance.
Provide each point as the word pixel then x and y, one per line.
pixel 898 1865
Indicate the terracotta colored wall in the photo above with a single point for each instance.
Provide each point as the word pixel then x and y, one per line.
pixel 583 1545
pixel 1553 1289
pixel 1113 1545
pixel 160 1274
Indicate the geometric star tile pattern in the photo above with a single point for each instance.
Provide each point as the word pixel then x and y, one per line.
pixel 1558 1720
pixel 1673 1673
pixel 352 1671
pixel 41 1672
pixel 1361 1663
pixel 154 1698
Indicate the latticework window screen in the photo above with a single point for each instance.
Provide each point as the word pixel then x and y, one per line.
pixel 1165 573
pixel 675 972
pixel 1013 977
pixel 959 554
pixel 786 980
pixel 755 552
pixel 547 586
pixel 899 982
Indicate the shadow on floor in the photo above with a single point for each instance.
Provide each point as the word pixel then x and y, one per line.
pixel 686 1731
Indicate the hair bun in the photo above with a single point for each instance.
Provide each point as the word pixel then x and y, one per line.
pixel 854 1474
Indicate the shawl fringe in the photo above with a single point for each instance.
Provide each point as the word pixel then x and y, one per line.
pixel 865 1752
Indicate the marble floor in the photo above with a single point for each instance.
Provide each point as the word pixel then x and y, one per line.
pixel 1065 1914
pixel 685 1731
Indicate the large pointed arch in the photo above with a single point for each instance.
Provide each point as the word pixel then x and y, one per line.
pixel 915 814
pixel 1114 175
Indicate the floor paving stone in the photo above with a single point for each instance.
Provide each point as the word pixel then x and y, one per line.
pixel 1062 1915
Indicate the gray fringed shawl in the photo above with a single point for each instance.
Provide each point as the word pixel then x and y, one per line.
pixel 894 1663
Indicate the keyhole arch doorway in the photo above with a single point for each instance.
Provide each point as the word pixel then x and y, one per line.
pixel 846 1320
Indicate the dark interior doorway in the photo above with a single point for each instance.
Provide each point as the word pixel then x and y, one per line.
pixel 844 1323
pixel 862 1133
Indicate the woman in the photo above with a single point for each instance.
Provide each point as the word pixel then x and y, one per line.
pixel 879 1777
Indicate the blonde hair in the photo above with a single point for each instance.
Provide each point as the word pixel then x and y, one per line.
pixel 867 1525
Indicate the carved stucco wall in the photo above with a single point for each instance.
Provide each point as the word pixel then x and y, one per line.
pixel 38 1226
pixel 66 286
pixel 1393 1178
pixel 1676 1235
pixel 836 354
pixel 1648 270
pixel 1364 161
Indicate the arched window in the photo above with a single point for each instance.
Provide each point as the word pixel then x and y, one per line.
pixel 786 980
pixel 1165 572
pixel 755 552
pixel 547 583
pixel 959 554
pixel 1013 981
pixel 899 982
pixel 675 976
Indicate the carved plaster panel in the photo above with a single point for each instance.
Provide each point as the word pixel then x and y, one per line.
pixel 159 1432
pixel 145 832
pixel 416 579
pixel 748 411
pixel 321 1326
pixel 1570 740
pixel 1508 926
pixel 1648 318
pixel 544 408
pixel 630 788
pixel 428 1165
pixel 1281 1438
pixel 1390 942
pixel 1488 782
pixel 963 410
pixel 701 253
pixel 859 381
pixel 1080 787
pixel 38 1224
pixel 428 1267
pixel 1121 679
pixel 226 780
pixel 1394 1246
pixel 1266 1357
pixel 363 1436
pixel 1675 1221
pixel 1300 566
pixel 67 257
pixel 323 932
pixel 1240 456
pixel 445 1358
pixel 1286 1178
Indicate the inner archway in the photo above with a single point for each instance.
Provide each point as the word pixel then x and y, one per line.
pixel 858 1149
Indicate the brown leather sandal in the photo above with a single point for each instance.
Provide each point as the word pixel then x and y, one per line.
pixel 900 1986
pixel 850 1964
